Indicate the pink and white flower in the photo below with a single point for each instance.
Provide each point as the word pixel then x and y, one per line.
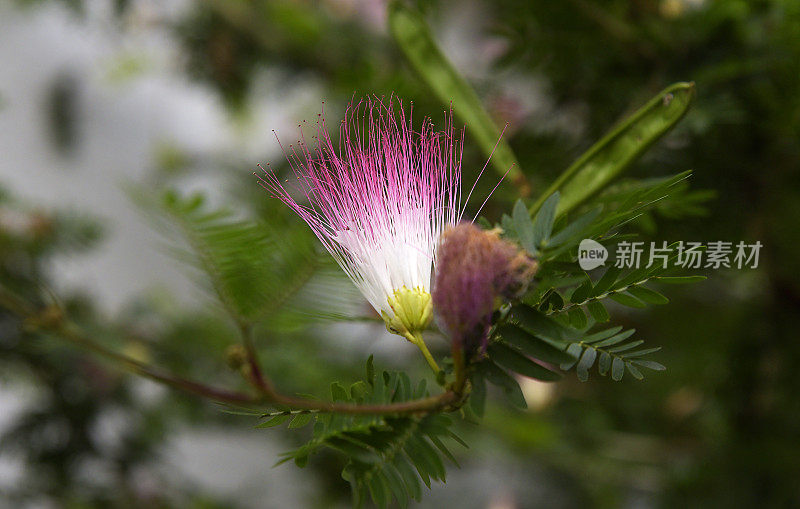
pixel 379 203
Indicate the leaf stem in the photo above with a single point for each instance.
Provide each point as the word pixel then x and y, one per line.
pixel 416 339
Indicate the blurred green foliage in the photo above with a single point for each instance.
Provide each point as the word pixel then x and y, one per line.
pixel 719 428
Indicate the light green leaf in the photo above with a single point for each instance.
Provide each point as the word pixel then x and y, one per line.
pixel 634 371
pixel 499 377
pixel 615 339
pixel 617 369
pixel 414 38
pixel 617 150
pixel 586 362
pixel 640 353
pixel 524 227
pixel 379 491
pixel 604 363
pixel 574 228
pixel 543 224
pixel 411 479
pixel 371 370
pixel 395 482
pixel 275 421
pixel 574 350
pixel 477 397
pixel 649 364
pixel 338 392
pixel 603 334
pixel 300 420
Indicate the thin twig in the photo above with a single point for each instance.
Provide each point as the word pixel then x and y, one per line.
pixel 53 321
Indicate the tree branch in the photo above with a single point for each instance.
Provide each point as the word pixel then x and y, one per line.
pixel 52 320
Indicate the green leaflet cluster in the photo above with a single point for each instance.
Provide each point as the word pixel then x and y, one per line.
pixel 388 457
pixel 554 324
pixel 257 270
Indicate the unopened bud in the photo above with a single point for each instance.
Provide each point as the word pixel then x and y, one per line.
pixel 236 357
pixel 475 269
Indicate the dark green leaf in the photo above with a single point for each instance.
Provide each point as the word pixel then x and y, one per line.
pixel 440 445
pixel 627 300
pixel 513 360
pixel 510 387
pixel 607 281
pixel 623 348
pixel 577 318
pixel 582 292
pixel 477 397
pixel 530 345
pixel 598 311
pixel 539 324
pixel 647 295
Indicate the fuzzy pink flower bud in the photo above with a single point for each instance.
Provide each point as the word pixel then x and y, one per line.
pixel 476 269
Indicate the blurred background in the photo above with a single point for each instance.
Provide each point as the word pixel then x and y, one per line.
pixel 106 105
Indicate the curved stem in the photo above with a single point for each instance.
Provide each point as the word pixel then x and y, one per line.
pixel 52 320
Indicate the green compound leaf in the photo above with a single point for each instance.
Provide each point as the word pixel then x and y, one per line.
pixel 414 38
pixel 616 151
pixel 386 456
